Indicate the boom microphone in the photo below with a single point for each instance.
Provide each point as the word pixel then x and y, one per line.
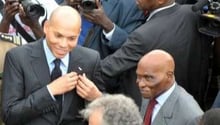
pixel 197 6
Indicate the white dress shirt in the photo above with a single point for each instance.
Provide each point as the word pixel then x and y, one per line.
pixel 50 58
pixel 161 100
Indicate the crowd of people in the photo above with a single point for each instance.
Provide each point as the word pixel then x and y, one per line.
pixel 123 62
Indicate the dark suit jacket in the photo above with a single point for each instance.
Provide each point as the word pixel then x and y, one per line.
pixel 126 16
pixel 180 108
pixel 26 100
pixel 186 1
pixel 174 30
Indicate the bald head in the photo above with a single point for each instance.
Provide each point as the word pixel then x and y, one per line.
pixel 64 10
pixel 62 30
pixel 155 73
pixel 158 59
pixel 65 14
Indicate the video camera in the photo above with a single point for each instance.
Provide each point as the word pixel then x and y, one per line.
pixel 32 8
pixel 211 15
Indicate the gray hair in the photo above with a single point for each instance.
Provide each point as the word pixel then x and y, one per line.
pixel 117 110
pixel 211 117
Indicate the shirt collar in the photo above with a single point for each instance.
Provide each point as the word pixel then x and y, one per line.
pixel 159 9
pixel 163 97
pixel 50 57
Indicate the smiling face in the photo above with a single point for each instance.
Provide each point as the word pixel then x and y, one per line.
pixel 62 32
pixel 154 74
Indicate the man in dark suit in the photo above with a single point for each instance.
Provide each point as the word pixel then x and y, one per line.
pixel 156 81
pixel 171 27
pixel 30 95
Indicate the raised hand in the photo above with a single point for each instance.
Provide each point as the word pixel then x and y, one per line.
pixel 11 8
pixel 98 16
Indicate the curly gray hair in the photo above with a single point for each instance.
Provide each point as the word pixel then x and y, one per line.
pixel 117 110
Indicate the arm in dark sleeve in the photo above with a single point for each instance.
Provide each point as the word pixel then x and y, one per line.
pixel 127 21
pixel 124 58
pixel 97 79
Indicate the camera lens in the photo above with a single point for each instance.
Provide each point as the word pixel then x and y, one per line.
pixel 88 4
pixel 32 8
pixel 35 11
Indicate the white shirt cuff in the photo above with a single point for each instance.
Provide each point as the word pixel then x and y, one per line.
pixel 51 94
pixel 108 35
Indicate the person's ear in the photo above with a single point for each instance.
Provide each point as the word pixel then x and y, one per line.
pixel 46 26
pixel 170 74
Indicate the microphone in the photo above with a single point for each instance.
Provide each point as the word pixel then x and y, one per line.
pixel 197 6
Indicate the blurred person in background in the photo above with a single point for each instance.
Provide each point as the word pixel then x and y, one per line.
pixel 15 21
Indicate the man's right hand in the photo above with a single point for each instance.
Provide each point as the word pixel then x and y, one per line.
pixel 11 8
pixel 63 84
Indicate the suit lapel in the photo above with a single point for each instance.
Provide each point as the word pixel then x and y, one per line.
pixel 144 107
pixel 166 111
pixel 39 63
pixel 74 62
pixel 41 69
pixel 160 119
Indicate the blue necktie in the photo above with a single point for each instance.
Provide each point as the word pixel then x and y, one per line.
pixel 56 72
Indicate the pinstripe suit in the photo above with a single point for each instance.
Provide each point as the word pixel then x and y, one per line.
pixel 26 100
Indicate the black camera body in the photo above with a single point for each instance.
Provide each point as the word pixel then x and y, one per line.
pixel 88 5
pixel 210 17
pixel 32 8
